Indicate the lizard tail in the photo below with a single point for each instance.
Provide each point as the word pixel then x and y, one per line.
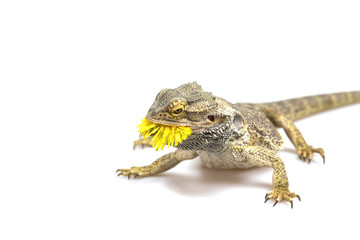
pixel 298 108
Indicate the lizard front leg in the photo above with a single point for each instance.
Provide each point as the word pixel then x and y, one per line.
pixel 304 150
pixel 162 164
pixel 263 157
pixel 143 142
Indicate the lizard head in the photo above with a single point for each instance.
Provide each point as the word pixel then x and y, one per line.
pixel 189 106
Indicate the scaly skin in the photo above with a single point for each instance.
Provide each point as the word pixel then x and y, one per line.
pixel 162 164
pixel 229 136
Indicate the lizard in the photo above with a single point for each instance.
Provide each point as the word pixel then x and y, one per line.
pixel 235 136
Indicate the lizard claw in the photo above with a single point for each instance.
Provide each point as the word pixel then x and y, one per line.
pixel 134 171
pixel 281 195
pixel 306 153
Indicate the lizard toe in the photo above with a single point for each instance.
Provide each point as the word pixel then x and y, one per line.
pixel 280 194
pixel 306 153
pixel 134 171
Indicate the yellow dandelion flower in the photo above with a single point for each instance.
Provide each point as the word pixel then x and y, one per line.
pixel 163 134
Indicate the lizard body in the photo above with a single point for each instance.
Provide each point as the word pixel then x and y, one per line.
pixel 230 136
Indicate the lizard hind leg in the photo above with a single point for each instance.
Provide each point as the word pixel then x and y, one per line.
pixel 304 151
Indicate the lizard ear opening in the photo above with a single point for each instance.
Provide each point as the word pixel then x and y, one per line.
pixel 211 118
pixel 237 122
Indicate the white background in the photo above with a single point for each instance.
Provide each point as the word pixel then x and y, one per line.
pixel 76 77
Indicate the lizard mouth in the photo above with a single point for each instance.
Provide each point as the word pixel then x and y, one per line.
pixel 163 134
pixel 194 128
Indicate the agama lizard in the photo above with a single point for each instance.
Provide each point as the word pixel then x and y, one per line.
pixel 230 136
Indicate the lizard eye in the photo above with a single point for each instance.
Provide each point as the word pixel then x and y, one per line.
pixel 177 110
